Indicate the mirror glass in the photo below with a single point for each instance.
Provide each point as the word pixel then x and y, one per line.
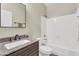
pixel 13 15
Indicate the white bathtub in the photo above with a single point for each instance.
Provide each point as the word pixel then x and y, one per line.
pixel 60 51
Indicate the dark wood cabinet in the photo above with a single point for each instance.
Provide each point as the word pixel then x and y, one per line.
pixel 30 50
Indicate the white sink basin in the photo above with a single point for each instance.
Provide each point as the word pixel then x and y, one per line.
pixel 16 44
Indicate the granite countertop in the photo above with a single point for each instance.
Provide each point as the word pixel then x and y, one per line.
pixel 4 51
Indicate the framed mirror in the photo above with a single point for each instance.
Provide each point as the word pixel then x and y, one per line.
pixel 13 15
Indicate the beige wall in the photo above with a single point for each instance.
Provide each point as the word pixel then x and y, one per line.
pixel 34 13
pixel 33 28
pixel 33 16
pixel 60 9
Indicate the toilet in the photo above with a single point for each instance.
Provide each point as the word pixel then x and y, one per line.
pixel 44 49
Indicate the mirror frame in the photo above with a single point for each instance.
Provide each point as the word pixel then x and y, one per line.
pixel 13 27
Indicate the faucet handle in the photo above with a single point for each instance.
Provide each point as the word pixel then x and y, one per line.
pixel 16 37
pixel 10 40
pixel 19 37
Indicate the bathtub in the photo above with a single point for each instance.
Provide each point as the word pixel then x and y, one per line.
pixel 62 51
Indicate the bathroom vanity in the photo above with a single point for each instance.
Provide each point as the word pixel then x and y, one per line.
pixel 28 49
